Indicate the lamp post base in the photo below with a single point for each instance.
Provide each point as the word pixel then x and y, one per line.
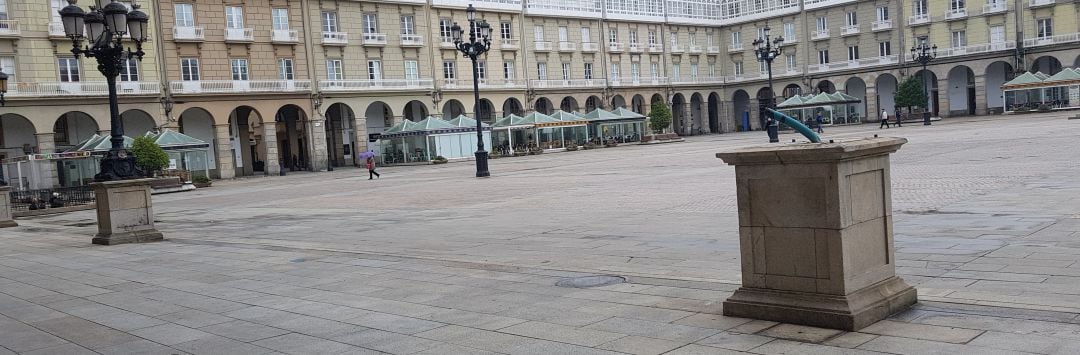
pixel 118 167
pixel 926 118
pixel 482 164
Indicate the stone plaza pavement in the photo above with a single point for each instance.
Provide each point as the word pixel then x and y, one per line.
pixel 433 261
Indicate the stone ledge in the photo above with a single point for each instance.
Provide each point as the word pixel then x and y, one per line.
pixel 811 152
pixel 851 312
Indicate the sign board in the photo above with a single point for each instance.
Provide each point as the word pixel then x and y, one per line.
pixel 172 164
pixel 373 137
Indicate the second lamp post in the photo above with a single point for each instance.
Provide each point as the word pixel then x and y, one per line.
pixel 479 43
pixel 923 53
pixel 766 52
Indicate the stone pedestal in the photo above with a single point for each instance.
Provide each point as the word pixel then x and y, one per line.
pixel 124 212
pixel 815 229
pixel 6 220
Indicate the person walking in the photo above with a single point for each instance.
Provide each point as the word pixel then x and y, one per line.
pixel 371 168
pixel 819 121
pixel 897 117
pixel 884 119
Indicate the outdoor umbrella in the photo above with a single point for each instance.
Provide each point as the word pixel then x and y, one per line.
pixel 367 154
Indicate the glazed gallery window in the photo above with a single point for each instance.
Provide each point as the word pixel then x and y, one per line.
pixel 189 69
pixel 234 17
pixel 68 69
pixel 329 21
pixel 285 69
pixel 185 15
pixel 239 69
pixel 334 70
pixel 412 70
pixel 129 70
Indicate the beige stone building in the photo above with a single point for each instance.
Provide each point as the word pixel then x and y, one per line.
pixel 305 85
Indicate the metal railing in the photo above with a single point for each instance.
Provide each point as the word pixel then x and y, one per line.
pixel 918 19
pixel 378 84
pixel 82 88
pixel 412 40
pixel 615 47
pixel 335 38
pixel 995 7
pixel 635 48
pixel 590 47
pixel 851 64
pixel 374 39
pixel 656 48
pixel 57 197
pixel 677 48
pixel 695 48
pixel 881 25
pixel 658 81
pixel 565 46
pixel 9 27
pixel 506 44
pixel 542 46
pixel 976 49
pixel 712 49
pixel 568 83
pixel 819 35
pixel 1037 3
pixel 239 34
pixel 956 14
pixel 238 86
pixel 285 36
pixel 849 30
pixel 56 29
pixel 1045 41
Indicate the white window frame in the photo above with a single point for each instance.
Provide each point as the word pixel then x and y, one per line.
pixel 68 69
pixel 279 18
pixel 566 72
pixel 506 30
pixel 374 69
pixel 449 70
pixel 184 14
pixel 588 70
pixel 335 69
pixel 329 21
pixel 408 24
pixel 129 69
pixel 239 69
pixel 541 70
pixel 884 48
pixel 286 69
pixel 234 17
pixel 370 23
pixel 189 69
pixel 508 70
pixel 823 56
pixel 412 69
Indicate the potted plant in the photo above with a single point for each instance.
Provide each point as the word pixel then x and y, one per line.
pixel 589 145
pixel 610 143
pixel 571 146
pixel 201 181
pixel 1044 108
pixel 439 160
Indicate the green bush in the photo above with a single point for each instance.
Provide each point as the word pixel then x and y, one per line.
pixel 659 117
pixel 1044 108
pixel 148 155
pixel 200 179
pixel 911 93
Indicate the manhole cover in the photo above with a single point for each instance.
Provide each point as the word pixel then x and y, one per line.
pixel 590 281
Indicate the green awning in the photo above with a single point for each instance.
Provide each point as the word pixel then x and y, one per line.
pixel 1025 79
pixel 565 116
pixel 536 117
pixel 173 140
pixel 466 122
pixel 601 115
pixel 431 123
pixel 510 120
pixel 627 114
pixel 1065 75
pixel 403 126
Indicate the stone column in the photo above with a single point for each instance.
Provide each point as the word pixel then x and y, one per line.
pixel 943 98
pixel 873 112
pixel 317 148
pixel 273 165
pixel 226 169
pixel 6 220
pixel 362 143
pixel 815 234
pixel 125 213
pixel 48 178
pixel 980 95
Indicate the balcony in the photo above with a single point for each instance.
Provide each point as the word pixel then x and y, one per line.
pixel 375 85
pixel 84 88
pixel 735 47
pixel 712 49
pixel 568 83
pixel 238 86
pixel 817 4
pixel 487 83
pixel 854 64
pixel 285 36
pixel 956 14
pixel 976 49
pixel 819 35
pixel 374 39
pixel 180 34
pixel 412 40
pixel 565 46
pixel 56 29
pixel 239 35
pixel 918 20
pixel 636 48
pixel 699 80
pixel 883 25
pixel 851 30
pixel 542 46
pixel 9 28
pixel 656 48
pixel 1050 40
pixel 677 49
pixel 696 49
pixel 614 48
pixel 590 47
pixel 640 82
pixel 335 38
pixel 506 44
pixel 1040 3
pixel 995 8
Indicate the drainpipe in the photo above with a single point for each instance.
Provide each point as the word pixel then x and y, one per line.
pixel 159 46
pixel 313 96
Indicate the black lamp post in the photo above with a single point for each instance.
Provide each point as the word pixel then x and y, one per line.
pixel 478 44
pixel 767 51
pixel 105 29
pixel 923 53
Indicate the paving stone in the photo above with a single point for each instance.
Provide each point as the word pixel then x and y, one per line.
pixel 922 331
pixel 562 333
pixel 734 341
pixel 474 320
pixel 66 349
pixel 800 333
pixel 302 344
pixel 244 331
pixel 667 331
pixel 140 347
pixel 384 341
pixel 394 323
pixel 1026 342
pixel 694 349
pixel 451 349
pixel 32 313
pixel 753 326
pixel 84 333
pixel 216 345
pixel 641 345
pixel 850 340
pixel 895 345
pixel 477 338
pixel 714 321
pixel 194 318
pixel 550 347
pixel 793 347
pixel 171 334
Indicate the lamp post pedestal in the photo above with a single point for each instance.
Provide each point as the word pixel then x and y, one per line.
pixel 125 213
pixel 482 164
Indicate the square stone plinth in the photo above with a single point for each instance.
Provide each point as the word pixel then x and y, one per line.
pixel 125 213
pixel 6 218
pixel 815 228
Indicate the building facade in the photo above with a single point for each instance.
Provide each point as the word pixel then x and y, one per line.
pixel 303 85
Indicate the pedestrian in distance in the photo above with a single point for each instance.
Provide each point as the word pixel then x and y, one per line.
pixel 898 117
pixel 819 121
pixel 884 119
pixel 371 168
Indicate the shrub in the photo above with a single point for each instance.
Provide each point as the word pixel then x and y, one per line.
pixel 200 179
pixel 911 93
pixel 148 155
pixel 1044 108
pixel 659 117
pixel 439 160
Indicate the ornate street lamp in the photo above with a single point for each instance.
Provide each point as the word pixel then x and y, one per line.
pixel 479 43
pixel 923 53
pixel 3 86
pixel 105 27
pixel 766 52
